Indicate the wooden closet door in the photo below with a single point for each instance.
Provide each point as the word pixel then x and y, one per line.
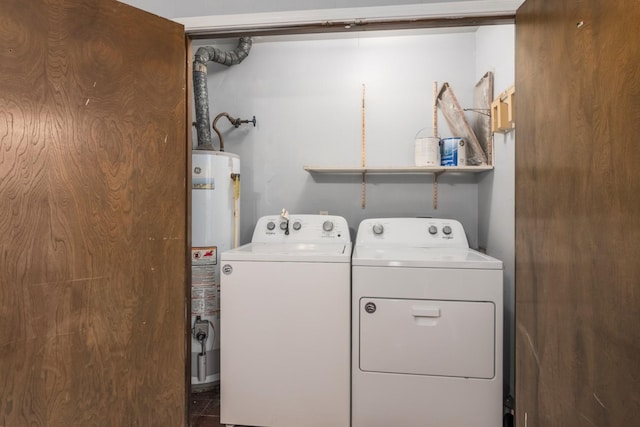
pixel 93 246
pixel 578 213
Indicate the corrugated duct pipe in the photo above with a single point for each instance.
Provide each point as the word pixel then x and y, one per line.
pixel 200 90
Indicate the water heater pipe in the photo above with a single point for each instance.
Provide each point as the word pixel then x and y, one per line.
pixel 235 122
pixel 200 332
pixel 200 90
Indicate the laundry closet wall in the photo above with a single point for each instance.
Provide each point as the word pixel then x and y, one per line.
pixel 306 93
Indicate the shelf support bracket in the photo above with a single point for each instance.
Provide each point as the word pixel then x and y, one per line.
pixel 435 189
pixel 363 191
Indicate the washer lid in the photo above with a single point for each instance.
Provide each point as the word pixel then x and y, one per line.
pixel 423 257
pixel 290 252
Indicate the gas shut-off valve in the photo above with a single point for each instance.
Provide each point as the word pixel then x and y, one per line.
pixel 201 334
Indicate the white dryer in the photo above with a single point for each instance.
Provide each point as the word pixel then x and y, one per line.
pixel 285 335
pixel 427 327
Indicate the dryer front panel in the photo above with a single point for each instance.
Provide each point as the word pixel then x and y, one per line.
pixel 427 337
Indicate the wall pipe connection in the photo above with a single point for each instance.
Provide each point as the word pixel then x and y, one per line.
pixel 200 90
pixel 235 122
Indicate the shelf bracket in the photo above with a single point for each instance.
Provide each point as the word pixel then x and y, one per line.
pixel 435 189
pixel 363 191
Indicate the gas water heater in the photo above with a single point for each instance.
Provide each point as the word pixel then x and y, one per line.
pixel 215 220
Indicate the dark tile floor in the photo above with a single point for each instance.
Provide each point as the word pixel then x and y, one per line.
pixel 205 409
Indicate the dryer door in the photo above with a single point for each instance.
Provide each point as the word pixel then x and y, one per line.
pixel 427 337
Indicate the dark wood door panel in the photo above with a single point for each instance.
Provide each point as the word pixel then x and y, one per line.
pixel 93 215
pixel 577 213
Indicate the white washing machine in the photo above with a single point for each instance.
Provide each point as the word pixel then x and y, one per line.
pixel 285 326
pixel 427 327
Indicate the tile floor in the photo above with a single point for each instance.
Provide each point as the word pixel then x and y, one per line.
pixel 205 409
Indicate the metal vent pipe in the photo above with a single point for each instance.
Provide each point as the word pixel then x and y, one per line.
pixel 200 90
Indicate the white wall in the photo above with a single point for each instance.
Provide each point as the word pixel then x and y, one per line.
pixel 495 51
pixel 306 95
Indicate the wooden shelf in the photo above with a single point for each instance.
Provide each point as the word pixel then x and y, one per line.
pixel 398 170
pixel 407 170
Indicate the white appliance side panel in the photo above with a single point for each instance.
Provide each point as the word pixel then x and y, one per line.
pixel 427 337
pixel 285 353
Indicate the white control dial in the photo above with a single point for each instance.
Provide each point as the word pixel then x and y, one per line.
pixel 378 229
pixel 433 229
pixel 327 226
pixel 283 225
pixel 446 230
pixel 297 226
pixel 271 225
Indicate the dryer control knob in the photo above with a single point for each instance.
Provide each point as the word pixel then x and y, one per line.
pixel 297 226
pixel 271 225
pixel 283 225
pixel 327 226
pixel 433 229
pixel 378 229
pixel 446 230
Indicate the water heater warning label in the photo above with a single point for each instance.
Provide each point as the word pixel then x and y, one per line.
pixel 204 256
pixel 204 300
pixel 205 289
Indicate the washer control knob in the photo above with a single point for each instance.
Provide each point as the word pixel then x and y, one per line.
pixel 446 230
pixel 378 229
pixel 297 226
pixel 271 225
pixel 433 229
pixel 283 225
pixel 327 226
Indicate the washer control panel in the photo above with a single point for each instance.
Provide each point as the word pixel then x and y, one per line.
pixel 412 232
pixel 301 228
